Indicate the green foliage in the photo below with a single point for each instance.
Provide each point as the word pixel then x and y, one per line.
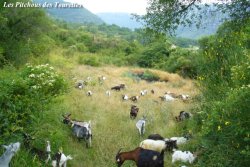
pixel 89 60
pixel 225 78
pixel 25 94
pixel 149 76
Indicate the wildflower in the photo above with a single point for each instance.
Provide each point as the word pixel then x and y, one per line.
pixel 227 123
pixel 32 75
pixel 219 128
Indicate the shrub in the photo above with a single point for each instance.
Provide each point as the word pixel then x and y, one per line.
pixel 92 61
pixel 149 76
pixel 24 94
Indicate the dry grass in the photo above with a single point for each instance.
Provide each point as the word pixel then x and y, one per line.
pixel 112 127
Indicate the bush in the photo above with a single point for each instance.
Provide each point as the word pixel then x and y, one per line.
pixel 92 61
pixel 25 94
pixel 149 76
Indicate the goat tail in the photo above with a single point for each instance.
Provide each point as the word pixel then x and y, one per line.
pixel 142 128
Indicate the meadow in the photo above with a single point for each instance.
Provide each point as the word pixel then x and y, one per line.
pixel 112 127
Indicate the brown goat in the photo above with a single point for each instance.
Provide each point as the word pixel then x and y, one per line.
pixel 142 158
pixel 130 155
pixel 134 111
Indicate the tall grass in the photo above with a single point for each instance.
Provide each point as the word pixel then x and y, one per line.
pixel 111 125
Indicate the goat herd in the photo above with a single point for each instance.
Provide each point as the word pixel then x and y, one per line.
pixel 150 152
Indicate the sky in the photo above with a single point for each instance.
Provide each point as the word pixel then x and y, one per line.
pixel 124 6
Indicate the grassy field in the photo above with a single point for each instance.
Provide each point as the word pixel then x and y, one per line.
pixel 112 127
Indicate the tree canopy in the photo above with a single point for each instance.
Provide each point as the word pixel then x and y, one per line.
pixel 167 15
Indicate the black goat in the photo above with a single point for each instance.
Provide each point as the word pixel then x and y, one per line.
pixel 119 87
pixel 155 137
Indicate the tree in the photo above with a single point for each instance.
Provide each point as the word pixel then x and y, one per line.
pixel 167 15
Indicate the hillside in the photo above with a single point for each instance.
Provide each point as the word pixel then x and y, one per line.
pixel 120 19
pixel 80 15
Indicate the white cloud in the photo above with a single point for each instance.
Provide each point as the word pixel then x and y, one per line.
pixel 127 6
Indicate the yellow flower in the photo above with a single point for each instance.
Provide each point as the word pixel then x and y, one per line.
pixel 227 123
pixel 219 127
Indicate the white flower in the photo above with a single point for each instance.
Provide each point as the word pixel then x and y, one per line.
pixel 32 75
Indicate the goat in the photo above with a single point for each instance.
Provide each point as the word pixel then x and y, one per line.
pixel 140 125
pixel 143 92
pixel 134 98
pixel 184 97
pixel 60 160
pixel 182 116
pixel 158 145
pixel 119 87
pixel 43 155
pixel 134 111
pixel 166 97
pixel 180 140
pixel 82 130
pixel 155 137
pixel 108 93
pixel 11 149
pixel 125 97
pixel 79 84
pixel 174 95
pixel 184 156
pixel 142 158
pixel 152 91
pixel 89 93
pixel 101 79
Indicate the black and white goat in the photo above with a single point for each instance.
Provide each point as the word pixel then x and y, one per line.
pixel 79 84
pixel 9 153
pixel 82 130
pixel 134 111
pixel 140 125
pixel 89 93
pixel 125 97
pixel 182 116
pixel 134 98
pixel 43 155
pixel 60 159
pixel 144 92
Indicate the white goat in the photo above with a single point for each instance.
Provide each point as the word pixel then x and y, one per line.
pixel 108 93
pixel 179 140
pixel 184 156
pixel 168 97
pixel 9 153
pixel 155 145
pixel 140 125
pixel 62 161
